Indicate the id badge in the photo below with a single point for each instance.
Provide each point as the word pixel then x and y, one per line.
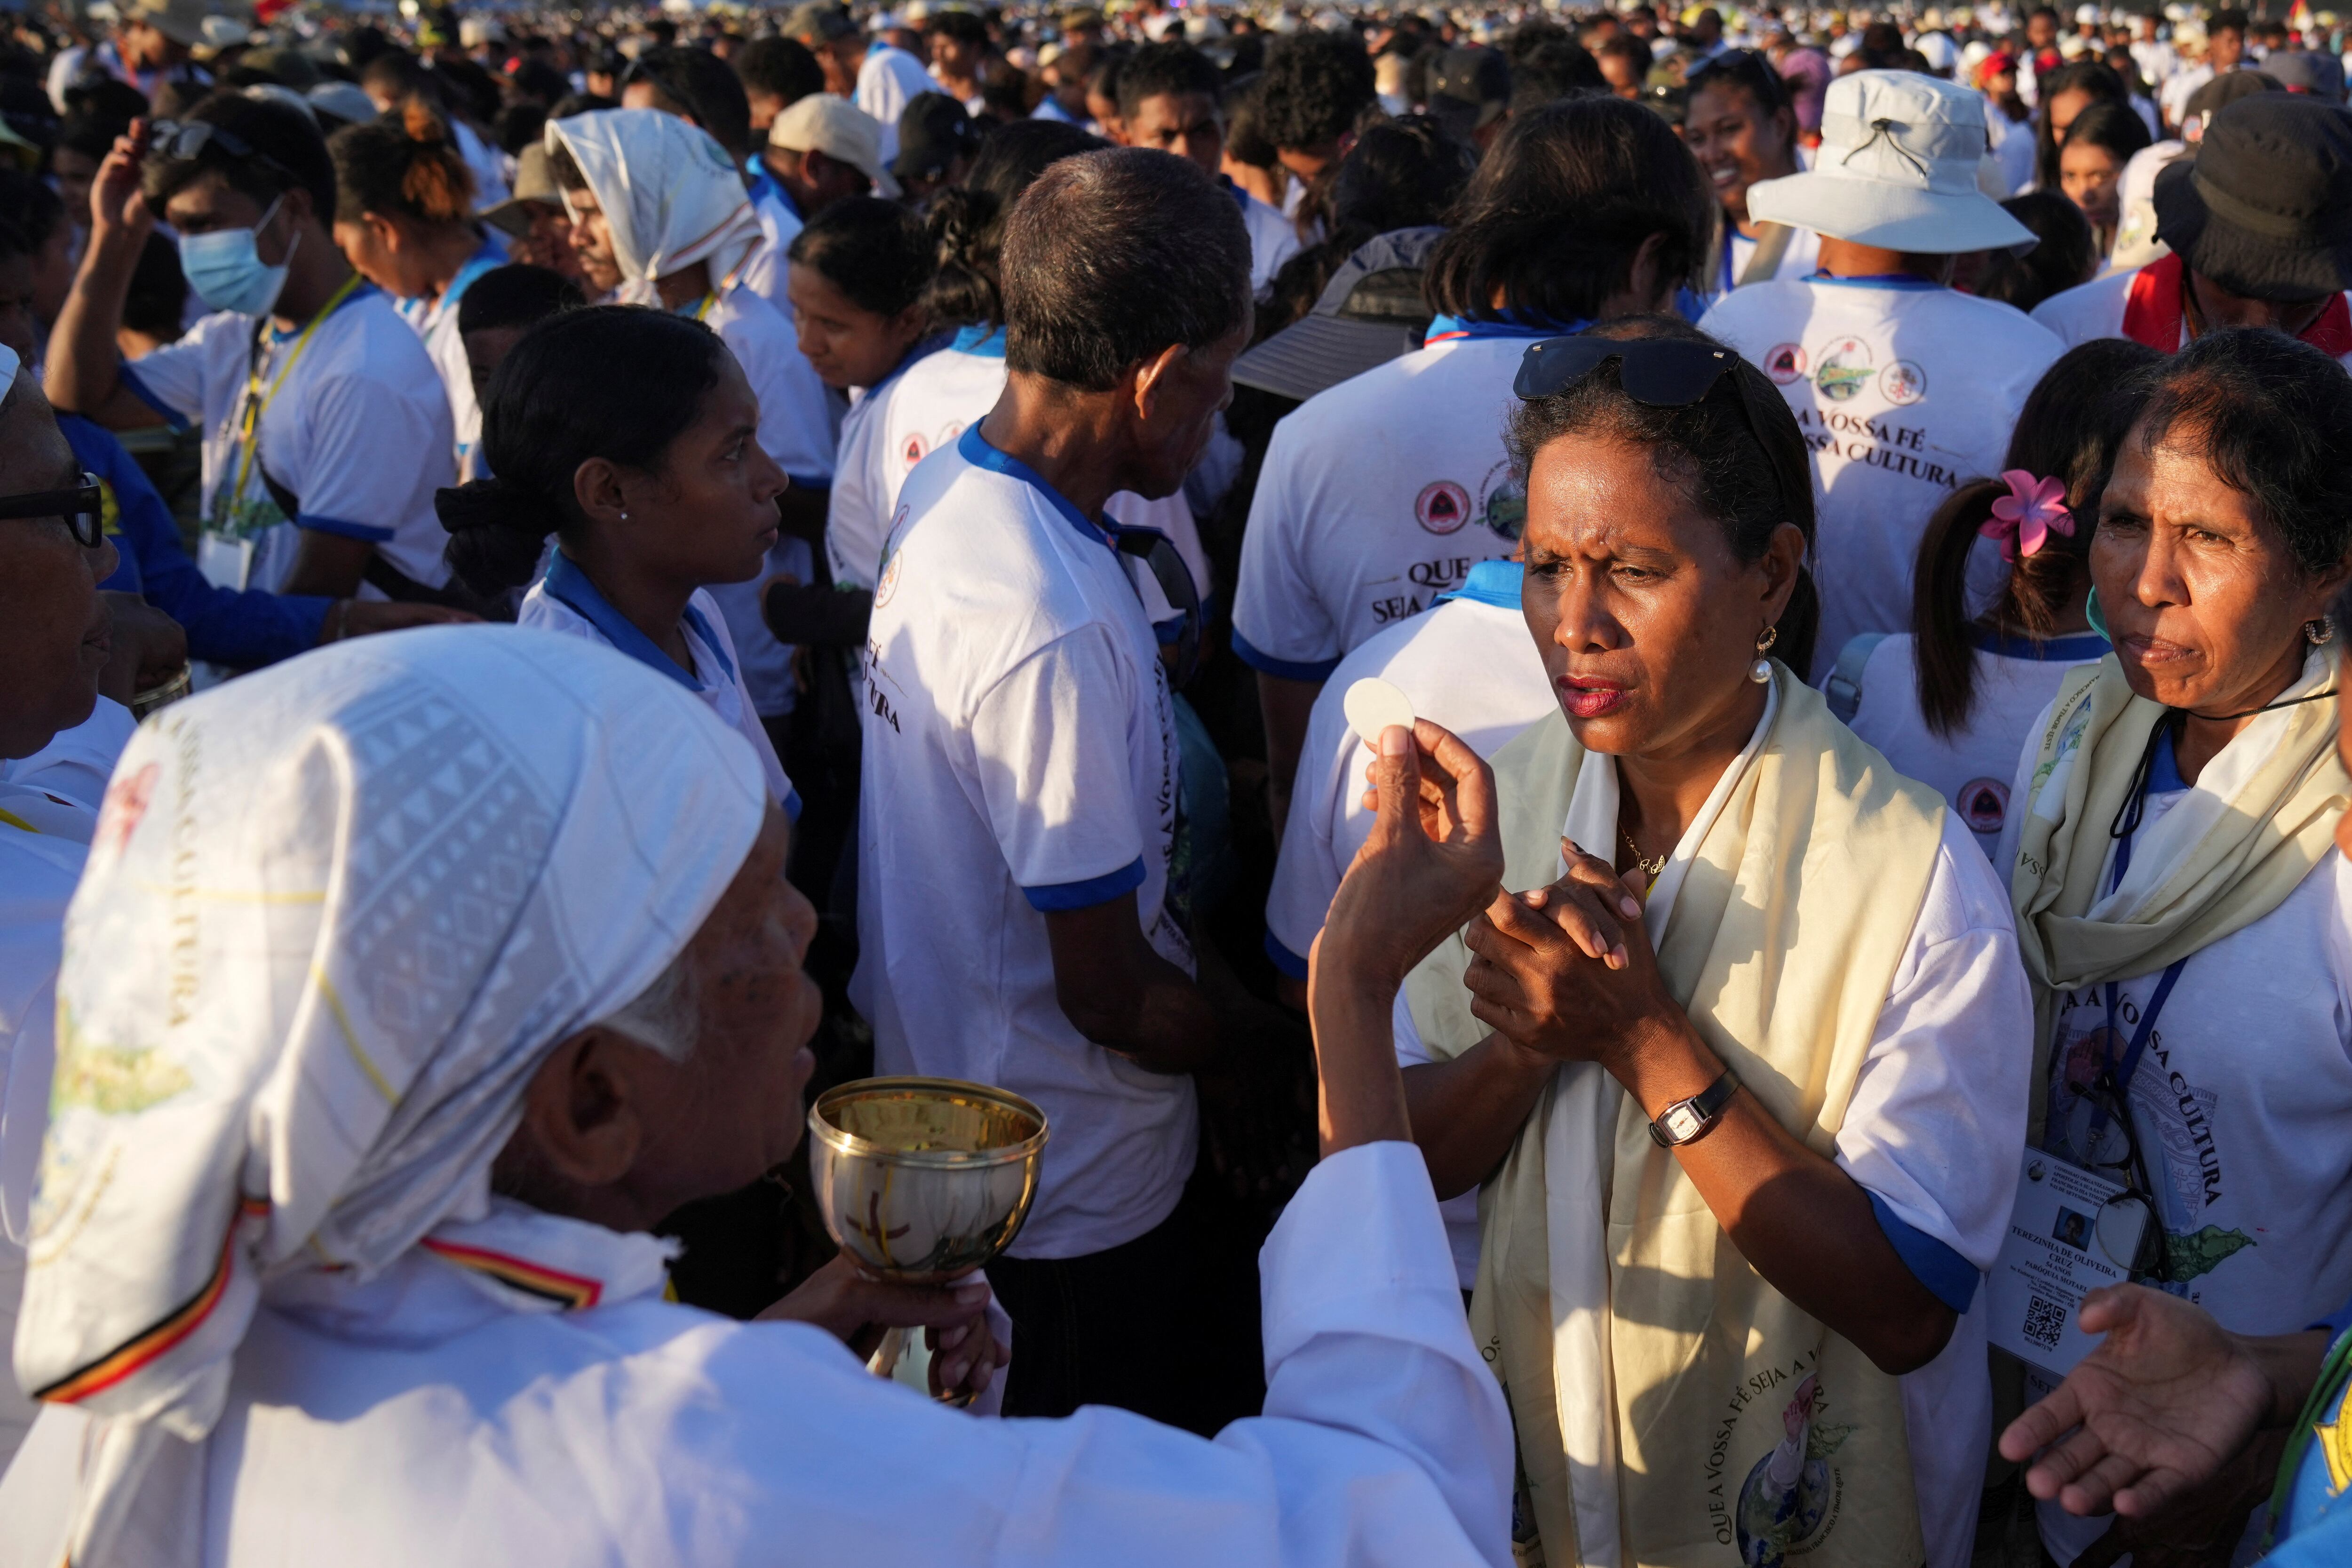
pixel 2072 1232
pixel 225 563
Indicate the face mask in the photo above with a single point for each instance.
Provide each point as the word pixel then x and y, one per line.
pixel 226 271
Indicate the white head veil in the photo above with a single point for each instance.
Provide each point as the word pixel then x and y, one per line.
pixel 336 914
pixel 671 195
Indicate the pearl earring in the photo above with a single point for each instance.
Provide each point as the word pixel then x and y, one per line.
pixel 1760 672
pixel 2319 631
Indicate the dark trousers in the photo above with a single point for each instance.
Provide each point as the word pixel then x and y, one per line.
pixel 1149 1325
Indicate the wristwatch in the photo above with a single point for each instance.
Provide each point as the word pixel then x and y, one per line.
pixel 1688 1121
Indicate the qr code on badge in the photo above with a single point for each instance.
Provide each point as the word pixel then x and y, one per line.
pixel 2044 1322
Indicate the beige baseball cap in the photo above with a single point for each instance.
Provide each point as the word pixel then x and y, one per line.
pixel 828 123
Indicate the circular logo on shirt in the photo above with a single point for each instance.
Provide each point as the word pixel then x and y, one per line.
pixel 1442 507
pixel 1845 369
pixel 1984 805
pixel 886 584
pixel 1503 502
pixel 913 451
pixel 1902 381
pixel 1785 363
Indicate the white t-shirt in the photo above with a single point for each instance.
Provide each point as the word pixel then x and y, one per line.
pixel 488 166
pixel 1931 1134
pixel 888 80
pixel 1804 254
pixel 436 321
pixel 359 430
pixel 2156 59
pixel 927 408
pixel 796 430
pixel 2011 142
pixel 2242 1099
pixel 866 474
pixel 1020 757
pixel 2096 310
pixel 764 270
pixel 1904 390
pixel 1273 239
pixel 1468 664
pixel 564 600
pixel 1971 768
pixel 1378 495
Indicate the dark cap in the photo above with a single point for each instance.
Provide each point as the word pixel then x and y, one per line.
pixel 2226 90
pixel 1371 311
pixel 933 132
pixel 1469 88
pixel 820 20
pixel 2307 71
pixel 2264 209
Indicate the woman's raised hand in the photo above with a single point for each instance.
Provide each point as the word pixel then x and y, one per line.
pixel 1434 857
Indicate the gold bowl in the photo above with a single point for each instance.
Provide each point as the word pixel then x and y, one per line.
pixel 921 1179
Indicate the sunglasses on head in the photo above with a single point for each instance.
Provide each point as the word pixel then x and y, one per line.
pixel 184 140
pixel 1663 372
pixel 83 509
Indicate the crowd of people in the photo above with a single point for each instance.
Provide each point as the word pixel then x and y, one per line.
pixel 572 581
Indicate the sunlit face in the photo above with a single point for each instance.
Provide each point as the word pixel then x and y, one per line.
pixel 1736 142
pixel 741 1110
pixel 54 627
pixel 2224 48
pixel 592 241
pixel 1185 124
pixel 2206 604
pixel 708 513
pixel 846 343
pixel 1646 621
pixel 2088 174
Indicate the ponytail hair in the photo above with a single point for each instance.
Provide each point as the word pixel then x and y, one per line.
pixel 405 165
pixel 2072 424
pixel 555 403
pixel 966 222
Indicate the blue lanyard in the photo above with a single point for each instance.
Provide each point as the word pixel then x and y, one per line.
pixel 2147 1028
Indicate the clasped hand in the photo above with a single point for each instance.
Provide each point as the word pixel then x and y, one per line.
pixel 1566 971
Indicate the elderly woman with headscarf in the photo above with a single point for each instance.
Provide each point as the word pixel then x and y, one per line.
pixel 412 982
pixel 2178 907
pixel 660 217
pixel 1742 1069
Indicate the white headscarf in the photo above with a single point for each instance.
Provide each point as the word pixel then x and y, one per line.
pixel 671 195
pixel 336 914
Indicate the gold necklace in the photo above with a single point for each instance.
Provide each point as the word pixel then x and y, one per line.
pixel 1651 864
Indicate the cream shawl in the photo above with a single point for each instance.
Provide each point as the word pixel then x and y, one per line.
pixel 2262 815
pixel 1672 1408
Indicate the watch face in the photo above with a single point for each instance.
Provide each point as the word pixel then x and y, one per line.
pixel 1682 1121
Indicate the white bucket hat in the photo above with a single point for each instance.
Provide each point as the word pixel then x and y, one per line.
pixel 1896 169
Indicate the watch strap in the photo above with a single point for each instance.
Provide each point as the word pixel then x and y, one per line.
pixel 1688 1121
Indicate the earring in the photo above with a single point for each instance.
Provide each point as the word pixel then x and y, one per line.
pixel 1760 672
pixel 625 517
pixel 2319 631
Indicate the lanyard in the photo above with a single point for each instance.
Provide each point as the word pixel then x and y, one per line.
pixel 701 311
pixel 2147 1028
pixel 250 426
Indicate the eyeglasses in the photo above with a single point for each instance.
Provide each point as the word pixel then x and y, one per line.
pixel 1663 372
pixel 83 509
pixel 1158 552
pixel 2120 1154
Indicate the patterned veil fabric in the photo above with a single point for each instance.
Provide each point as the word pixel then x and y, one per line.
pixel 336 914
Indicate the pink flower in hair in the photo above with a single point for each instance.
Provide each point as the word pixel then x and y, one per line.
pixel 2024 519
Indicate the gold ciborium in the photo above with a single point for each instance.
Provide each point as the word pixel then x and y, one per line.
pixel 922 1179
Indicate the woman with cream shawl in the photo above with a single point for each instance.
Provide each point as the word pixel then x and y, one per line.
pixel 2178 908
pixel 1757 1345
